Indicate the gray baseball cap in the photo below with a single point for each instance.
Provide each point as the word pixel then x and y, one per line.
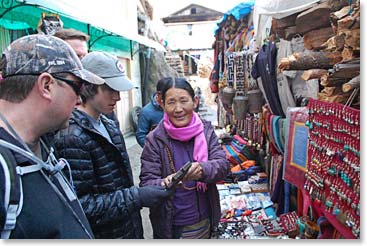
pixel 109 68
pixel 38 53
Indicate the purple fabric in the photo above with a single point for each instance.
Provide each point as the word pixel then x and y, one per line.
pixel 155 167
pixel 187 210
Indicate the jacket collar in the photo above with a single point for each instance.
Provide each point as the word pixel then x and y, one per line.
pixel 83 119
pixel 154 102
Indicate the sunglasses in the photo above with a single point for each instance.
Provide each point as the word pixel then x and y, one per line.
pixel 75 85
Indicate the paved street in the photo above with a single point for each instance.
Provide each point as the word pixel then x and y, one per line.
pixel 134 150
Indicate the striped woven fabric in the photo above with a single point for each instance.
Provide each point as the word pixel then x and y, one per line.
pixel 233 153
pixel 230 157
pixel 199 230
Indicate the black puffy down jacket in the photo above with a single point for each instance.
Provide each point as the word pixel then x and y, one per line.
pixel 102 177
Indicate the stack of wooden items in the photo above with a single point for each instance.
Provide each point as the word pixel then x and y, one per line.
pixel 331 32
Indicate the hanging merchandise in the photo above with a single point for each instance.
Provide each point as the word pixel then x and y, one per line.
pixel 250 129
pixel 271 130
pixel 296 146
pixel 229 91
pixel 275 133
pixel 240 101
pixel 214 75
pixel 264 67
pixel 255 101
pixel 276 185
pixel 333 168
pixel 255 96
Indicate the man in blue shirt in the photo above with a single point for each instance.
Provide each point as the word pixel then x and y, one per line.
pixel 150 115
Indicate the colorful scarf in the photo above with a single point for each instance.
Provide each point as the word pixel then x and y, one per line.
pixel 194 129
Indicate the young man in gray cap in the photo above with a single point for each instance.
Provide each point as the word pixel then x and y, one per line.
pixel 42 80
pixel 99 162
pixel 78 41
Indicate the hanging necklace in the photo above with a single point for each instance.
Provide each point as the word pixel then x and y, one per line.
pixel 172 166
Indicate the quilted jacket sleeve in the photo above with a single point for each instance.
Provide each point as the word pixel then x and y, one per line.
pixel 152 169
pixel 217 166
pixel 100 207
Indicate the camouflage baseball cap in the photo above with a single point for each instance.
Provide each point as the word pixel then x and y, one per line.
pixel 38 53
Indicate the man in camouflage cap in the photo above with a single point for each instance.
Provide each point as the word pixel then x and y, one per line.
pixel 35 54
pixel 42 79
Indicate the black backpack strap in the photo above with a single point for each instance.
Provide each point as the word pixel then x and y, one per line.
pixel 13 197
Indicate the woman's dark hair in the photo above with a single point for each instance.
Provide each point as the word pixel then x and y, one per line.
pixel 160 84
pixel 179 83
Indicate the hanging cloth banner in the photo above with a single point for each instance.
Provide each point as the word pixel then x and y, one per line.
pixel 296 146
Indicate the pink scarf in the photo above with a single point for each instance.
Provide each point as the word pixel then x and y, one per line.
pixel 194 129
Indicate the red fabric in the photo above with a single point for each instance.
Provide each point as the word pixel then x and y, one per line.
pixel 294 174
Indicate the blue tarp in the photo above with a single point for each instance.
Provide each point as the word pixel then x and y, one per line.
pixel 237 12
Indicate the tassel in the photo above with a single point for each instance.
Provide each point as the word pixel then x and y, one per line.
pixel 200 186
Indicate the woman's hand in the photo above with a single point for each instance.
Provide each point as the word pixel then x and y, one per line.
pixel 167 180
pixel 194 173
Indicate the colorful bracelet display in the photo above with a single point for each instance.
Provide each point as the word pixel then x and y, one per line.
pixel 333 167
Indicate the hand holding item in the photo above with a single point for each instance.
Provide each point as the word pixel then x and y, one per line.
pixel 167 180
pixel 152 195
pixel 195 172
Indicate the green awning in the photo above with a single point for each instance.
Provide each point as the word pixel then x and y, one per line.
pixel 13 25
pixel 18 15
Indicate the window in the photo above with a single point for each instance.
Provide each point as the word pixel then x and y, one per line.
pixel 189 27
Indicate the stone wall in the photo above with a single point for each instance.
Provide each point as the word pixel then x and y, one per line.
pixel 175 62
pixel 155 67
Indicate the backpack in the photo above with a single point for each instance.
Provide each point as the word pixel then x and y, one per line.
pixel 13 195
pixel 13 198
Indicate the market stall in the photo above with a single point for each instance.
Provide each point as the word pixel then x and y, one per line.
pixel 289 105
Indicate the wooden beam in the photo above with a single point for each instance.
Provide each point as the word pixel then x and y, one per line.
pixel 313 18
pixel 290 32
pixel 352 39
pixel 335 43
pixel 310 60
pixel 313 74
pixel 349 54
pixel 332 90
pixel 313 40
pixel 325 80
pixel 337 4
pixel 351 84
pixel 287 21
